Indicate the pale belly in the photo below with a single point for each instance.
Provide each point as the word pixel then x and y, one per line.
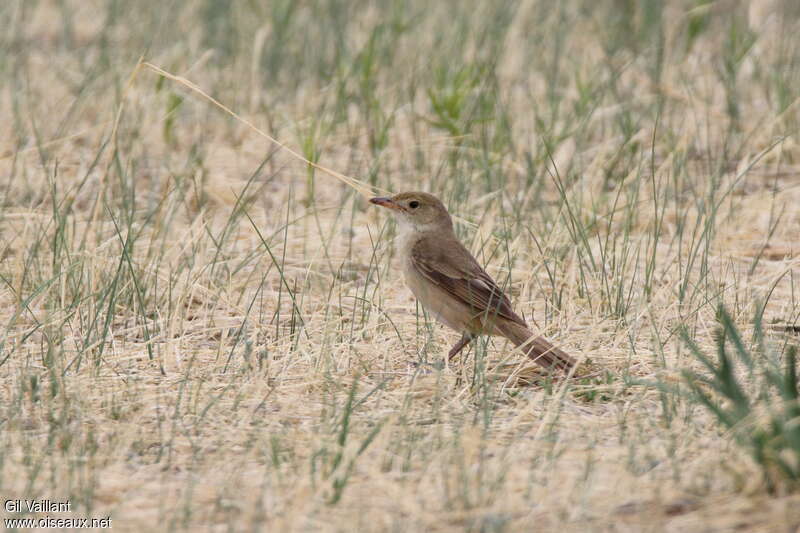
pixel 436 301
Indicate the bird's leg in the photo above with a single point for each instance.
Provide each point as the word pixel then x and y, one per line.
pixel 466 338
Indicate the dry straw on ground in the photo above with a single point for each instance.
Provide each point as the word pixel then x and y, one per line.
pixel 203 331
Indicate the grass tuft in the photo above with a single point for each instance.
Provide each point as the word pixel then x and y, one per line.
pixel 755 397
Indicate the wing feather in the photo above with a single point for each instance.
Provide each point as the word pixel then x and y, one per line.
pixel 455 271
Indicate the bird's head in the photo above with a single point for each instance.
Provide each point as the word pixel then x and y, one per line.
pixel 417 210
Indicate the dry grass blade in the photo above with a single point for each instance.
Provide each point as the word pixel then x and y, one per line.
pixel 364 189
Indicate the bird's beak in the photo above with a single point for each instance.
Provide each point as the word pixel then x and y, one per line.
pixel 386 202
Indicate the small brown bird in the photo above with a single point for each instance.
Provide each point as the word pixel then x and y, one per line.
pixel 451 284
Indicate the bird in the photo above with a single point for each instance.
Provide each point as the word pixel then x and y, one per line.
pixel 450 283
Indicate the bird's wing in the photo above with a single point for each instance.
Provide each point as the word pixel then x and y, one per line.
pixel 450 266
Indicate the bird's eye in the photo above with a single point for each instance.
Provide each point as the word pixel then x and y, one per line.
pixel 413 204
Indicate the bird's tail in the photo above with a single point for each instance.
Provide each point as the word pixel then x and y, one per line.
pixel 539 349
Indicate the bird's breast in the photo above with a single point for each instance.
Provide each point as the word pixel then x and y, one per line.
pixel 438 303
